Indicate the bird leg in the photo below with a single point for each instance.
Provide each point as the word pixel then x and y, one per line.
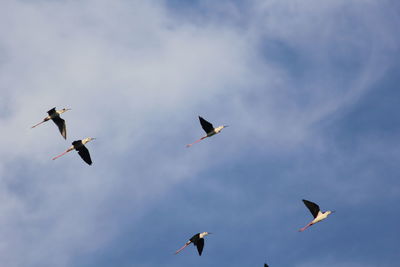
pixel 305 227
pixel 39 123
pixel 62 154
pixel 189 145
pixel 187 244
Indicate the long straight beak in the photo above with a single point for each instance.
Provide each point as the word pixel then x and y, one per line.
pixel 226 126
pixel 333 211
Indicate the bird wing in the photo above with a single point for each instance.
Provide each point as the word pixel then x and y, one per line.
pixel 314 208
pixel 207 127
pixel 200 245
pixel 77 143
pixel 61 126
pixel 51 111
pixel 265 265
pixel 194 238
pixel 84 153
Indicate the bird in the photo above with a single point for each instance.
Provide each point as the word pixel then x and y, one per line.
pixel 197 240
pixel 79 145
pixel 54 115
pixel 209 129
pixel 316 213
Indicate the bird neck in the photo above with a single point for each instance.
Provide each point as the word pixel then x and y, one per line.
pixel 203 235
pixel 327 213
pixel 321 216
pixel 218 129
pixel 86 140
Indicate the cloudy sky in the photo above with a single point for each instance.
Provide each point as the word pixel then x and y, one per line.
pixel 308 87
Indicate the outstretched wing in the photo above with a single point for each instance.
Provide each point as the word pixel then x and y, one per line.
pixel 200 245
pixel 51 111
pixel 84 153
pixel 61 126
pixel 207 127
pixel 314 208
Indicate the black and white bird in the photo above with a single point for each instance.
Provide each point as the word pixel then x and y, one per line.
pixel 197 240
pixel 54 115
pixel 209 129
pixel 79 145
pixel 316 213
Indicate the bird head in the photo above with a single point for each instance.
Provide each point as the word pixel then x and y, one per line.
pixel 330 212
pixel 87 140
pixel 64 110
pixel 219 128
pixel 204 234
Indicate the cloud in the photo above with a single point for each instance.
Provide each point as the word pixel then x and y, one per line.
pixel 136 75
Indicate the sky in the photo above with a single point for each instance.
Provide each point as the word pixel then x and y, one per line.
pixel 308 88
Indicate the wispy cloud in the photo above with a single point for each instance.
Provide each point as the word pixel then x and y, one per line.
pixel 136 75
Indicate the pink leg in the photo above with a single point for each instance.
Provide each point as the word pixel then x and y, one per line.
pixel 37 124
pixel 189 145
pixel 62 154
pixel 305 227
pixel 179 250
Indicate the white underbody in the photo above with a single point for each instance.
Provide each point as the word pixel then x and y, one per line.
pixel 320 216
pixel 215 131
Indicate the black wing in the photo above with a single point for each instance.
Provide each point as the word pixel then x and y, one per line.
pixel 195 238
pixel 314 208
pixel 51 111
pixel 77 143
pixel 207 127
pixel 84 153
pixel 200 245
pixel 265 265
pixel 61 126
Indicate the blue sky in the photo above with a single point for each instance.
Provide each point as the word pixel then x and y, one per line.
pixel 309 89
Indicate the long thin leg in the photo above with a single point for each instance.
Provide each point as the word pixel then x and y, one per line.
pixel 62 154
pixel 179 250
pixel 305 227
pixel 189 145
pixel 38 124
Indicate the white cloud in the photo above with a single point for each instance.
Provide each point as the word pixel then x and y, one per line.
pixel 135 76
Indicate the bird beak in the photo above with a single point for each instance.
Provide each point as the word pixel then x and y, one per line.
pixel 226 126
pixel 209 233
pixel 333 211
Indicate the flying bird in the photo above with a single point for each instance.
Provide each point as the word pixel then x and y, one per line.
pixel 197 240
pixel 54 115
pixel 79 145
pixel 316 213
pixel 209 129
